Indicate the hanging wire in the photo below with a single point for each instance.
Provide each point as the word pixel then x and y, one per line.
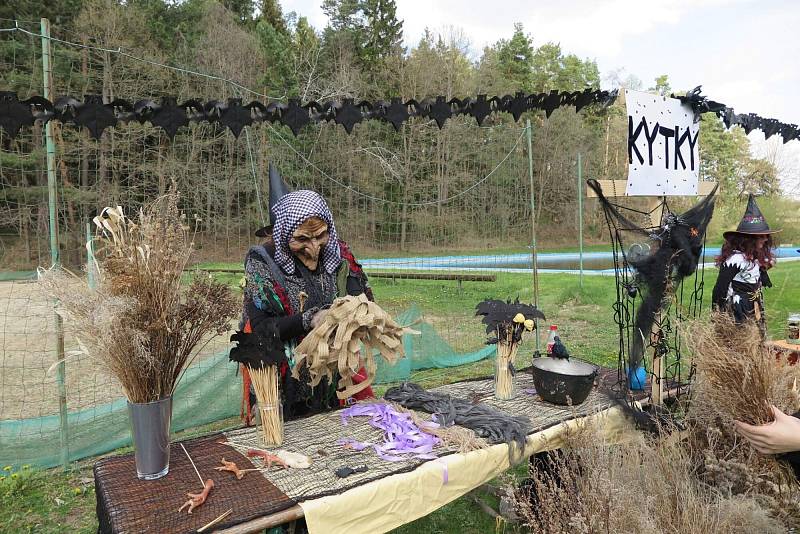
pixel 386 201
pixel 128 55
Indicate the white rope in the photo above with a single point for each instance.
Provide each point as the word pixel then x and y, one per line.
pixel 384 200
pixel 255 177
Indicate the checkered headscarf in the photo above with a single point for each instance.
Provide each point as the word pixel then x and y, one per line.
pixel 292 210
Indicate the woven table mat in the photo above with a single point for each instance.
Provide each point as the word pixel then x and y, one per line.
pixel 317 436
pixel 126 504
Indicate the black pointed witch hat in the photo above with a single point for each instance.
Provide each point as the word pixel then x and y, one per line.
pixel 753 221
pixel 277 189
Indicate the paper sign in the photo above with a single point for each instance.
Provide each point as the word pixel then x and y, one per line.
pixel 663 156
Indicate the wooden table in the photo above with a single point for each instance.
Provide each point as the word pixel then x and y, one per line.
pixel 414 489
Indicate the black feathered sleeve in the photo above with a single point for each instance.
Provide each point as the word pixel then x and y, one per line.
pixel 720 293
pixel 288 326
pixel 765 281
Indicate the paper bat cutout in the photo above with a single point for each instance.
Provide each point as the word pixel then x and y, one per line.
pixel 94 115
pixel 13 113
pixel 439 111
pixel 396 114
pixel 235 116
pixel 169 116
pixel 479 108
pixel 348 115
pixel 295 116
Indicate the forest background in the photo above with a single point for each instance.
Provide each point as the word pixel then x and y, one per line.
pixel 399 188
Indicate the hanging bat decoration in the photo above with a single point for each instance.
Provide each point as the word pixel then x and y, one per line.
pixel 14 114
pixel 96 116
pixel 749 122
pixel 675 249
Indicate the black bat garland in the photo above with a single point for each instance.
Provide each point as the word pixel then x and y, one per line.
pixel 96 116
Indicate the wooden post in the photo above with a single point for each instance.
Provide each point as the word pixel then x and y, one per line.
pixel 52 193
pixel 656 209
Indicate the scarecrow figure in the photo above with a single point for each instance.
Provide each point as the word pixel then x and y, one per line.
pixel 743 263
pixel 290 281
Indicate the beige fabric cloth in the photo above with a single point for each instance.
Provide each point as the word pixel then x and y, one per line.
pixel 384 504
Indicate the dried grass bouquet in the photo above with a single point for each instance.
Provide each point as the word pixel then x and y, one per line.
pixel 740 378
pixel 139 324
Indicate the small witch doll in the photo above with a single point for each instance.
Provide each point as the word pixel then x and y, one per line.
pixel 262 352
pixel 743 263
pixel 507 321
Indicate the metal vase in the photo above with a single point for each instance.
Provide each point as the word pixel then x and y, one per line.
pixel 150 430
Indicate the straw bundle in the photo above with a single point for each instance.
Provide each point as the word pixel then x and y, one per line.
pixel 504 374
pixel 739 378
pixel 334 345
pixel 265 384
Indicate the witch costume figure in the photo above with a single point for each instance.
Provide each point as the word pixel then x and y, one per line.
pixel 290 281
pixel 743 263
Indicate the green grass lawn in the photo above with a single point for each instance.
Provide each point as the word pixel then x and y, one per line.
pixel 53 501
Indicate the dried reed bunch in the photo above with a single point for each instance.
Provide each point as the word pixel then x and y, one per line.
pixel 139 323
pixel 270 409
pixel 641 486
pixel 504 374
pixel 738 376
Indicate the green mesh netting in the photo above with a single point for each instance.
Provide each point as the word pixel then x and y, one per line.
pixel 428 350
pixel 209 391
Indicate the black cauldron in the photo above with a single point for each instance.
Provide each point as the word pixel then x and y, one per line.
pixel 566 382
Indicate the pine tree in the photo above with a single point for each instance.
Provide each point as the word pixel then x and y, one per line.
pixel 382 32
pixel 272 13
pixel 515 59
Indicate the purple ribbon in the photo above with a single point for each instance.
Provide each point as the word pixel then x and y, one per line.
pixel 402 438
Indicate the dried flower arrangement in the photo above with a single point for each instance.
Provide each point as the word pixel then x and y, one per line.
pixel 642 486
pixel 138 323
pixel 739 378
pixel 507 321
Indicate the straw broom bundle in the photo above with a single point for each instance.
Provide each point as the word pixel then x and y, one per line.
pixel 504 375
pixel 334 345
pixel 265 383
pixel 261 350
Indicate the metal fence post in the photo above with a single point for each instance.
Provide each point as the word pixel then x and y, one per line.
pixel 528 133
pixel 47 79
pixel 580 219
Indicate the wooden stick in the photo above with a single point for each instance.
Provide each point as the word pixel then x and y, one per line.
pixel 215 521
pixel 202 482
pixel 261 523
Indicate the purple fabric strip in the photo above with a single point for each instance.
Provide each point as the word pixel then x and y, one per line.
pixel 402 438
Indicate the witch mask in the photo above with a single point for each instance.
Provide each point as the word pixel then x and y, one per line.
pixel 308 240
